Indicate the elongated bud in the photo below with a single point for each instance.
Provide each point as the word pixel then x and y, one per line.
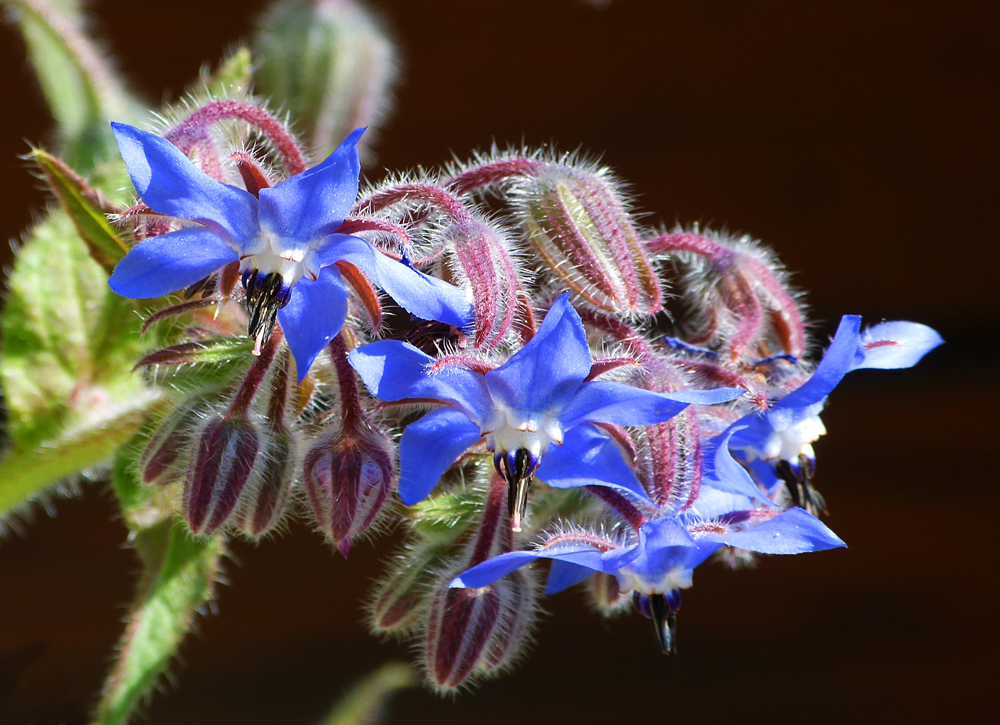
pixel 169 448
pixel 519 607
pixel 460 627
pixel 348 477
pixel 740 294
pixel 576 221
pixel 482 253
pixel 329 64
pixel 463 624
pixel 400 601
pixel 224 459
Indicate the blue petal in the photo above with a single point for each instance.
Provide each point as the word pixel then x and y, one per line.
pixel 429 298
pixel 545 374
pixel 170 262
pixel 836 363
pixel 312 204
pixel 666 546
pixel 608 402
pixel 428 448
pixel 170 184
pixel 563 575
pixel 791 532
pixel 578 554
pixel 723 472
pixel 315 313
pixel 895 345
pixel 588 457
pixel 394 370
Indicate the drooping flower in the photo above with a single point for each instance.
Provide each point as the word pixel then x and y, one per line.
pixel 285 238
pixel 782 436
pixel 537 412
pixel 657 561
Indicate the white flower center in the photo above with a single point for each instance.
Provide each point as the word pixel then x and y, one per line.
pixel 511 430
pixel 794 441
pixel 289 258
pixel 675 579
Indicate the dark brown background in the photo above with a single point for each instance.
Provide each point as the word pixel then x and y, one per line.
pixel 858 139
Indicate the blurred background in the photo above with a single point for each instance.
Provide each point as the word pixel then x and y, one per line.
pixel 858 139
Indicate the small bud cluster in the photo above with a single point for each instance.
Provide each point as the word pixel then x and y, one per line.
pixel 254 438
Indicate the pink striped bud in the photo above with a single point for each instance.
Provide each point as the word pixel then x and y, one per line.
pixel 399 604
pixel 482 252
pixel 266 496
pixel 519 607
pixel 580 228
pixel 224 459
pixel 348 476
pixel 460 628
pixel 167 452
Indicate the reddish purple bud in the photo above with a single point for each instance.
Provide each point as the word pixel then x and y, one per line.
pixel 482 252
pixel 348 477
pixel 399 603
pixel 460 629
pixel 169 447
pixel 580 228
pixel 266 497
pixel 519 601
pixel 224 458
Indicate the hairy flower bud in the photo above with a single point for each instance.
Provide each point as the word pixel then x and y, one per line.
pixel 348 476
pixel 163 459
pixel 519 606
pixel 266 496
pixel 224 459
pixel 482 253
pixel 575 219
pixel 329 64
pixel 460 625
pixel 399 603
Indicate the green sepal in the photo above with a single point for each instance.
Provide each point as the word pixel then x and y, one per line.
pixel 232 78
pixel 86 207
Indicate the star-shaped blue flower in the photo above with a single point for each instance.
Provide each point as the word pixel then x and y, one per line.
pixel 286 240
pixel 537 412
pixel 782 436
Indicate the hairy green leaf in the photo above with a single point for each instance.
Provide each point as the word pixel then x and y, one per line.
pixel 366 701
pixel 179 575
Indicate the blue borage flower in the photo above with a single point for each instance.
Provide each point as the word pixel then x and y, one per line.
pixel 659 559
pixel 286 241
pixel 780 438
pixel 539 397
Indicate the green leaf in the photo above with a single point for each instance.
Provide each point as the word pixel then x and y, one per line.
pixel 87 208
pixel 25 473
pixel 179 575
pixel 80 86
pixel 69 342
pixel 366 701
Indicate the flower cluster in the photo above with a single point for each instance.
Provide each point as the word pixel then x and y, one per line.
pixel 624 456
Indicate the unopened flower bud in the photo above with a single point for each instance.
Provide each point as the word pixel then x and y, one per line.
pixel 266 497
pixel 519 603
pixel 460 628
pixel 224 459
pixel 399 603
pixel 482 253
pixel 329 64
pixel 169 447
pixel 577 223
pixel 348 476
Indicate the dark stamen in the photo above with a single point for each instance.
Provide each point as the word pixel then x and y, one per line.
pixel 518 468
pixel 663 613
pixel 266 294
pixel 798 479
